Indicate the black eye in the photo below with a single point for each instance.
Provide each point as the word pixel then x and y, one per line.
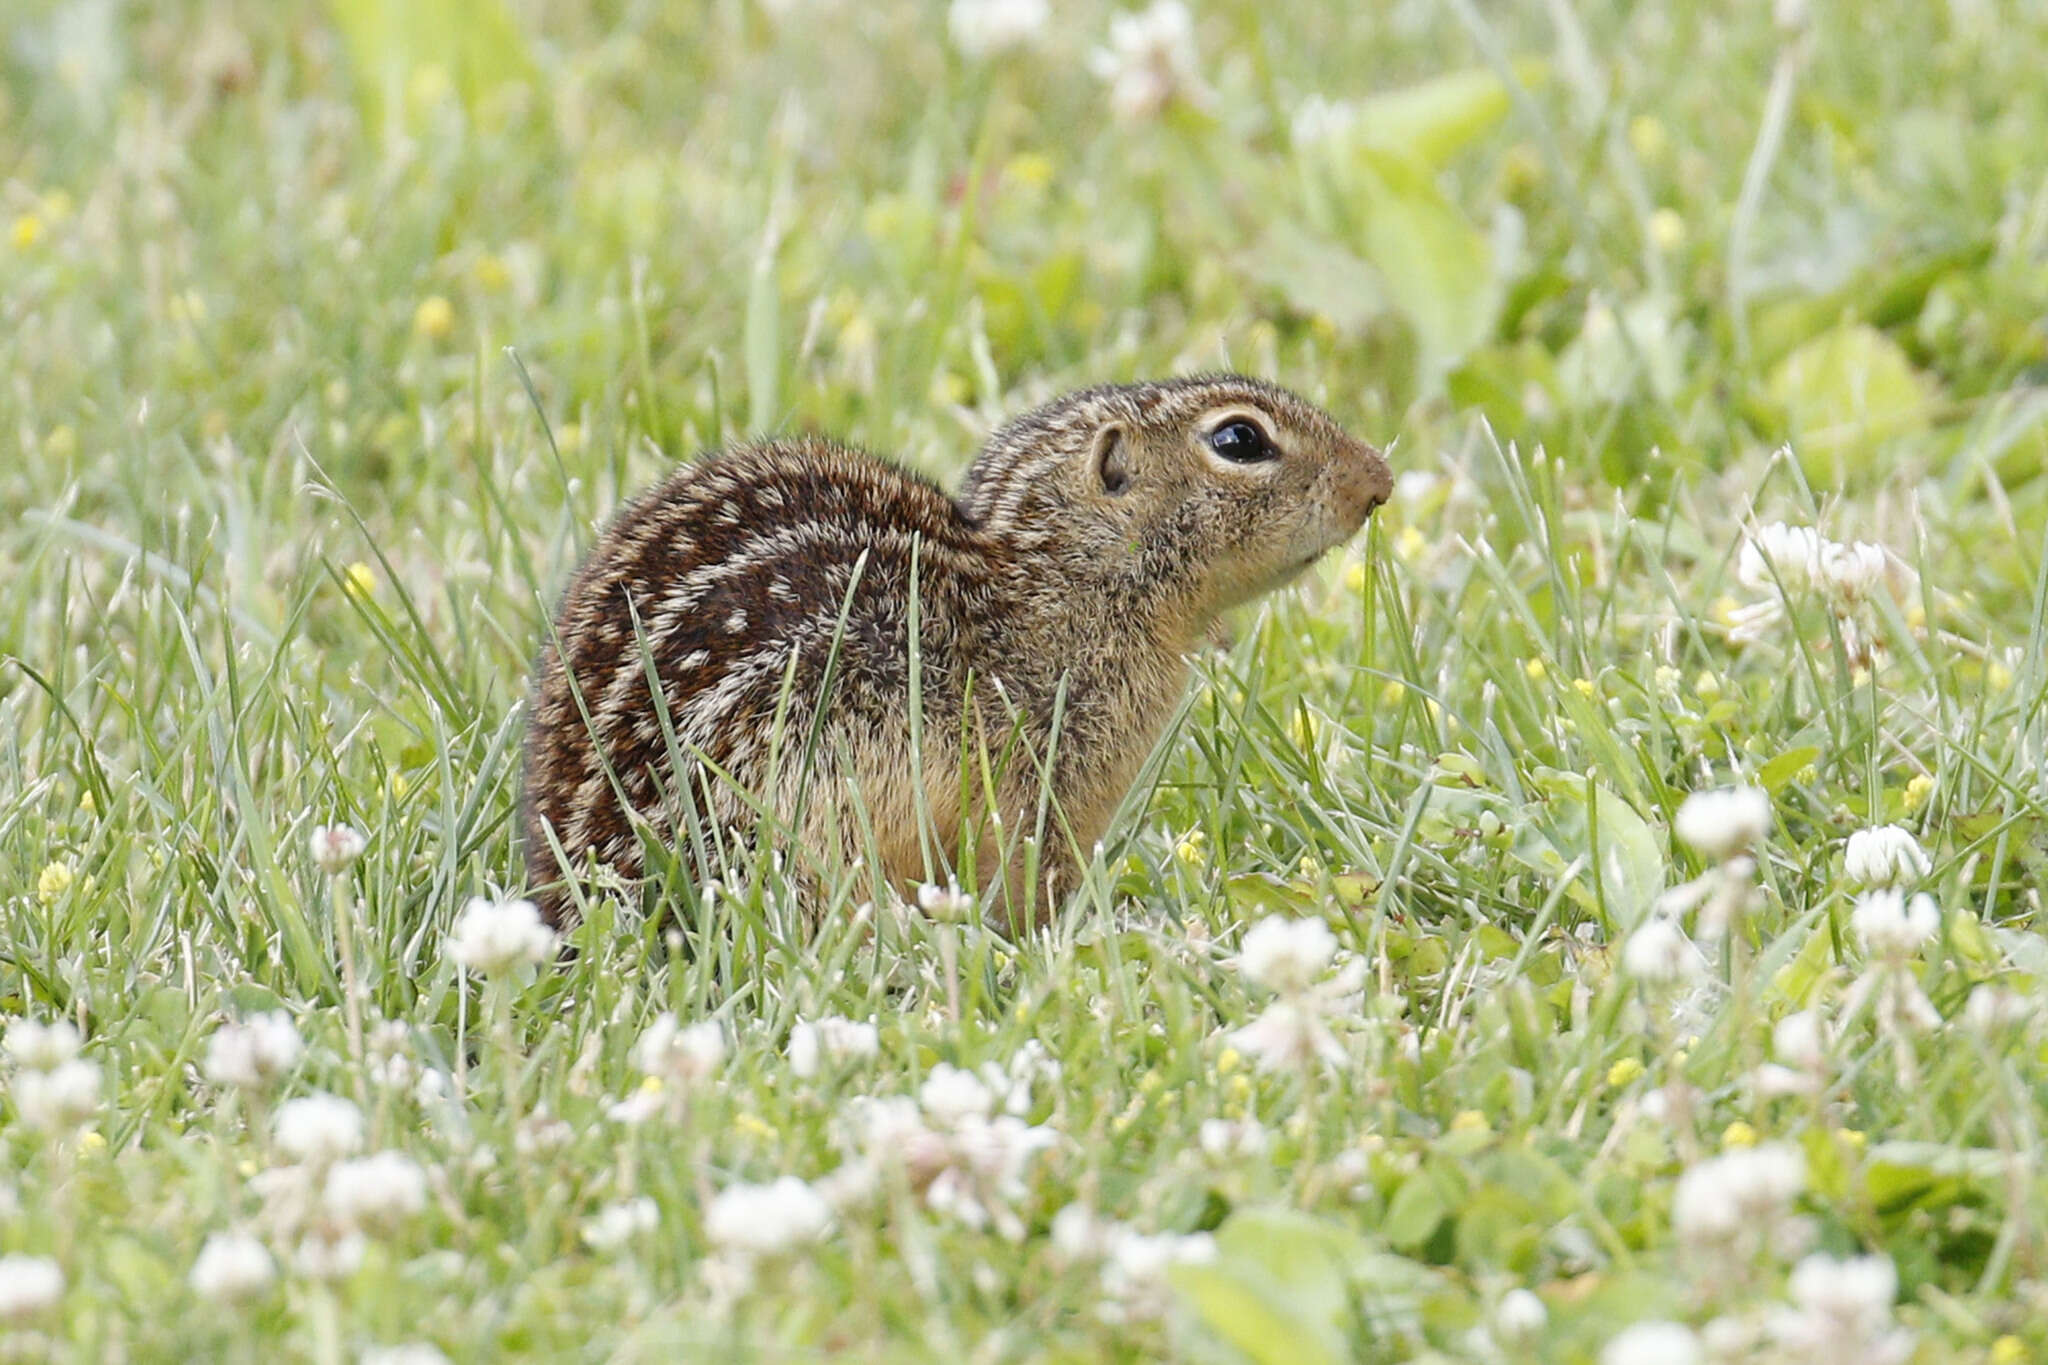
pixel 1240 442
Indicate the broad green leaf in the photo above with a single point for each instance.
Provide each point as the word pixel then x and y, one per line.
pixel 1630 860
pixel 1439 117
pixel 1414 1213
pixel 1256 1313
pixel 406 49
pixel 1316 276
pixel 1434 264
pixel 1780 770
pixel 1845 394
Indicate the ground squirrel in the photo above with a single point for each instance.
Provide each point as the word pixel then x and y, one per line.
pixel 771 589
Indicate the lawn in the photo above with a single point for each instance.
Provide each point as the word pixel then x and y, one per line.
pixel 1595 917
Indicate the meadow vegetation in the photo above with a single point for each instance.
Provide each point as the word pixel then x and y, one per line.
pixel 1596 917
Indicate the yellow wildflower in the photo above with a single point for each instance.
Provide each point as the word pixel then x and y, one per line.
pixel 1738 1134
pixel 28 230
pixel 1624 1071
pixel 359 580
pixel 54 881
pixel 1918 789
pixel 434 319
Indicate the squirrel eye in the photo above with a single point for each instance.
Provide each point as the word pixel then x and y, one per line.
pixel 1240 442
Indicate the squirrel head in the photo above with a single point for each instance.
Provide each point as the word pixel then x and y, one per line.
pixel 1196 494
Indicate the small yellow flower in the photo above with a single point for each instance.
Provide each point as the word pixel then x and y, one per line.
pixel 399 786
pixel 1808 774
pixel 1916 617
pixel 1032 170
pixel 1852 1137
pixel 1738 1134
pixel 86 803
pixel 1722 612
pixel 490 272
pixel 1998 675
pixel 749 1126
pixel 650 1085
pixel 1665 678
pixel 1680 1056
pixel 1390 695
pixel 1228 1061
pixel 1410 543
pixel 1535 669
pixel 1356 576
pixel 1324 329
pixel 1151 1082
pixel 1648 136
pixel 1858 676
pixel 1667 230
pixel 1706 686
pixel 2008 1350
pixel 28 230
pixel 1583 686
pixel 359 580
pixel 1623 1071
pixel 57 206
pixel 1240 1089
pixel 54 881
pixel 1469 1121
pixel 949 389
pixel 434 319
pixel 1189 849
pixel 1304 729
pixel 1308 868
pixel 1918 789
pixel 61 443
pixel 91 1142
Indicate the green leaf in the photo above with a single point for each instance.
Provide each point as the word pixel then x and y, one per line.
pixel 1316 276
pixel 1780 770
pixel 396 46
pixel 1435 266
pixel 1845 394
pixel 1438 117
pixel 1631 863
pixel 1254 1312
pixel 1415 1212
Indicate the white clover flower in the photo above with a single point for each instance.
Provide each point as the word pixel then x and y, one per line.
pixel 949 1096
pixel 335 847
pixel 616 1224
pixel 232 1266
pixel 1992 1009
pixel 766 1220
pixel 685 1055
pixel 982 28
pixel 1885 856
pixel 1794 552
pixel 1317 120
pixel 1288 1036
pixel 1287 955
pixel 377 1191
pixel 1224 1139
pixel 1850 573
pixel 1743 1193
pixel 491 937
pixel 1134 1271
pixel 1150 61
pixel 36 1046
pixel 840 1039
pixel 64 1097
pixel 1658 953
pixel 1893 926
pixel 318 1129
pixel 946 904
pixel 1800 1040
pixel 255 1053
pixel 1721 824
pixel 1653 1343
pixel 28 1285
pixel 411 1353
pixel 1843 1311
pixel 637 1108
pixel 1077 1234
pixel 329 1254
pixel 1520 1316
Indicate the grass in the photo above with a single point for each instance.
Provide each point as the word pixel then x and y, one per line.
pixel 330 335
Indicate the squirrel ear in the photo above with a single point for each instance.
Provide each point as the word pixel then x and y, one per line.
pixel 1111 464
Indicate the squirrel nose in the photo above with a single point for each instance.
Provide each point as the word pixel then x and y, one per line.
pixel 1370 482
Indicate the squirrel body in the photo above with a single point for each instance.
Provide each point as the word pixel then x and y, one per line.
pixel 738 643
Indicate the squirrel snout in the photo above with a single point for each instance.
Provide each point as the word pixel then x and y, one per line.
pixel 1367 482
